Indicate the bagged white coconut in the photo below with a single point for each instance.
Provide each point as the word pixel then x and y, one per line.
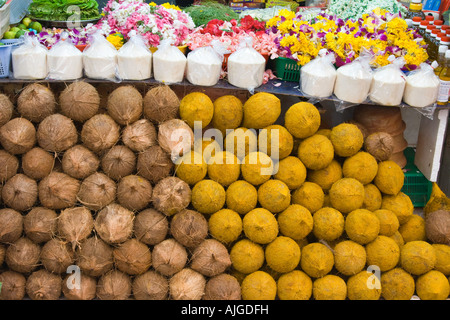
pixel 65 61
pixel 169 63
pixel 29 60
pixel 204 64
pixel 317 77
pixel 422 87
pixel 353 80
pixel 246 66
pixel 100 58
pixel 134 59
pixel 388 83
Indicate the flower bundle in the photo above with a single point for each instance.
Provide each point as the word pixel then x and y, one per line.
pixel 50 36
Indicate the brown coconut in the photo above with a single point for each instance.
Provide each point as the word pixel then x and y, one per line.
pixel 97 191
pixel 40 224
pixel 139 135
pixel 150 286
pixel 36 102
pixel 210 258
pixel 23 255
pixel 13 285
pixel 114 285
pixel 118 162
pixel 94 257
pixel 132 257
pixel 171 195
pixel 100 133
pixel 150 226
pixel 43 285
pixel 114 224
pixel 134 192
pixel 20 192
pixel 9 165
pixel 58 190
pixel 79 162
pixel 75 224
pixel 161 104
pixel 79 101
pixel 222 287
pixel 169 257
pixel 189 228
pixel 380 145
pixel 85 289
pixel 37 163
pixel 125 104
pixel 6 109
pixel 175 137
pixel 18 136
pixel 154 164
pixel 437 227
pixel 57 256
pixel 187 285
pixel 11 225
pixel 56 133
pixel 2 254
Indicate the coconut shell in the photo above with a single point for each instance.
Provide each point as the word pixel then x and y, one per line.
pixel 75 224
pixel 114 224
pixel 23 255
pixel 11 225
pixel 79 162
pixel 58 191
pixel 36 102
pixel 79 101
pixel 20 192
pixel 40 224
pixel 114 285
pixel 150 226
pixel 118 162
pixel 86 291
pixel 2 254
pixel 437 227
pixel 380 145
pixel 43 285
pixel 189 228
pixel 18 136
pixel 57 133
pixel 134 192
pixel 139 135
pixel 171 195
pixel 154 164
pixel 169 257
pixel 97 191
pixel 9 167
pixel 125 104
pixel 175 137
pixel 57 256
pixel 13 285
pixel 222 287
pixel 100 133
pixel 6 109
pixel 132 257
pixel 161 104
pixel 210 258
pixel 187 285
pixel 150 286
pixel 37 163
pixel 94 257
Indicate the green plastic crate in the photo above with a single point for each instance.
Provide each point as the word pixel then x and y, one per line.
pixel 287 69
pixel 416 186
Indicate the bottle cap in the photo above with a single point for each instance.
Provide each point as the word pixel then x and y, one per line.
pixel 429 18
pixel 445 27
pixel 440 35
pixel 424 23
pixel 447 31
pixel 431 27
pixel 445 39
pixel 435 31
pixel 417 19
pixel 434 64
pixel 438 23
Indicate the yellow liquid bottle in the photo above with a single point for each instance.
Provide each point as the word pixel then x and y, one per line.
pixel 444 80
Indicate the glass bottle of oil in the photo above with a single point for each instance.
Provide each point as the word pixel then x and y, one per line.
pixel 444 80
pixel 441 59
pixel 415 10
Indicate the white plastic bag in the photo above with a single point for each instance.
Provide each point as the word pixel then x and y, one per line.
pixel 317 78
pixel 65 61
pixel 388 83
pixel 29 60
pixel 246 66
pixel 169 63
pixel 100 58
pixel 204 65
pixel 422 87
pixel 134 59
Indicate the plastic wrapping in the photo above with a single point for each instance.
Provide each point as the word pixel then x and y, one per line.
pixel 169 63
pixel 204 65
pixel 65 61
pixel 100 58
pixel 29 61
pixel 388 83
pixel 422 87
pixel 134 59
pixel 246 66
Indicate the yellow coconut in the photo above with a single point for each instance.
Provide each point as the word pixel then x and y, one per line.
pixel 224 167
pixel 328 224
pixel 413 229
pixel 294 285
pixel 397 284
pixel 196 106
pixel 225 225
pixel 257 168
pixel 228 113
pixel 390 177
pixel 362 226
pixel 274 195
pixel 372 197
pixel 432 285
pixel 276 141
pixel 330 287
pixel 291 171
pixel 347 139
pixel 282 254
pixel 241 197
pixel 442 264
pixel 383 252
pixel 347 194
pixel 317 260
pixel 207 147
pixel 259 285
pixel 316 152
pixel 302 120
pixel 417 257
pixel 246 256
pixel 362 166
pixel 241 141
pixel 260 226
pixel 208 196
pixel 400 204
pixel 261 110
pixel 327 176
pixel 191 167
pixel 309 195
pixel 388 222
pixel 349 257
pixel 363 286
pixel 295 222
